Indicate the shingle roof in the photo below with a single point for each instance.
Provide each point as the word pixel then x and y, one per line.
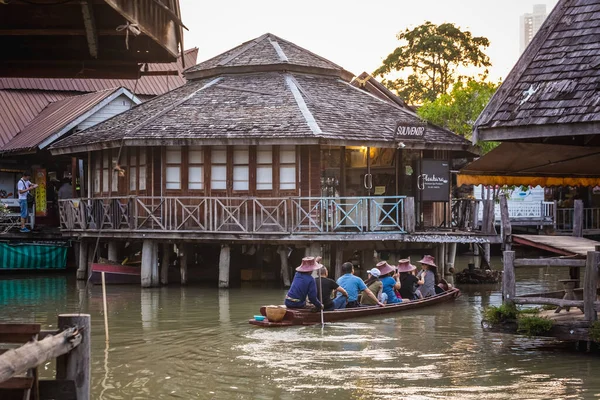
pixel 55 117
pixel 145 86
pixel 278 107
pixel 556 80
pixel 265 50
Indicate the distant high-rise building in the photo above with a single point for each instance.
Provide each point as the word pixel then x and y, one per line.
pixel 530 24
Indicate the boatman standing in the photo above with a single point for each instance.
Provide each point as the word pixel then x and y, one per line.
pixel 304 285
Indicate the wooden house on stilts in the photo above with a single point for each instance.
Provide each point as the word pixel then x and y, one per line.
pixel 267 153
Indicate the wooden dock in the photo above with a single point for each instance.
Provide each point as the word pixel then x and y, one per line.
pixel 563 245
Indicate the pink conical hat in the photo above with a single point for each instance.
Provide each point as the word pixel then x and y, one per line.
pixel 405 266
pixel 429 260
pixel 309 264
pixel 385 268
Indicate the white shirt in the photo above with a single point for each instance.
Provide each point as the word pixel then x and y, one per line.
pixel 22 185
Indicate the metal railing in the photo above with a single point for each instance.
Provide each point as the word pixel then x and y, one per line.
pixel 251 215
pixel 537 211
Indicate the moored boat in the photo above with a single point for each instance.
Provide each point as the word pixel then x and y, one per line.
pixel 307 317
pixel 115 274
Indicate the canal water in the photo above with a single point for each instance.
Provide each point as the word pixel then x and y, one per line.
pixel 195 343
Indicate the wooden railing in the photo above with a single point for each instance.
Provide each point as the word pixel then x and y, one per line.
pixel 251 215
pixel 565 220
pixel 588 301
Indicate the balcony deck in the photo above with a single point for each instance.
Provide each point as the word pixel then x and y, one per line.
pixel 241 219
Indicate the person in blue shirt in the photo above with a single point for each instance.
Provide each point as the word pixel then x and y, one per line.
pixel 304 285
pixel 389 282
pixel 353 285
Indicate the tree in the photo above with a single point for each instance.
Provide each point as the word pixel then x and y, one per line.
pixel 458 109
pixel 431 55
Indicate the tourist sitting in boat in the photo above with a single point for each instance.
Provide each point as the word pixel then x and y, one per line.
pixel 428 278
pixel 304 285
pixel 353 286
pixel 408 281
pixel 389 282
pixel 375 286
pixel 327 286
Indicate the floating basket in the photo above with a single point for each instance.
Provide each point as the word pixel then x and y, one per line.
pixel 275 313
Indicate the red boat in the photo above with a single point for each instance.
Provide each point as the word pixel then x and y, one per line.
pixel 305 316
pixel 115 274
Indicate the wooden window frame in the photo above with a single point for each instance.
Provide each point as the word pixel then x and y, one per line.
pixel 178 165
pixel 280 165
pixel 233 165
pixel 257 165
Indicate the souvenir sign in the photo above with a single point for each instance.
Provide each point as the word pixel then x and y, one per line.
pixel 409 130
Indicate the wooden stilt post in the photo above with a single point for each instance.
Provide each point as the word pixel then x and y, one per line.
pixel 451 260
pixel 183 263
pixel 409 215
pixel 154 276
pixel 505 226
pixel 338 259
pixel 285 269
pixel 113 253
pixel 83 261
pixel 590 281
pixel 508 280
pixel 487 255
pixel 164 264
pixel 313 250
pixel 224 261
pixel 147 259
pixel 76 365
pixel 578 219
pixel 476 256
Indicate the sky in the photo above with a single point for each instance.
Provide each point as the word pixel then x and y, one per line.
pixel 356 35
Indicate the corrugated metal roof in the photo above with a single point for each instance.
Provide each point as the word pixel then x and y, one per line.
pixel 146 85
pixel 53 118
pixel 19 107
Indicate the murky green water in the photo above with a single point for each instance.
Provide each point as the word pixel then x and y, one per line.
pixel 195 343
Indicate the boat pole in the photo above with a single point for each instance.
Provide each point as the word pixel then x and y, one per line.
pixel 321 298
pixel 104 306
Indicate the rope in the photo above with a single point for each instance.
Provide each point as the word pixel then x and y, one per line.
pixel 129 27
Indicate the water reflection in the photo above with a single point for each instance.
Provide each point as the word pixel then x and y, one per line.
pixel 194 342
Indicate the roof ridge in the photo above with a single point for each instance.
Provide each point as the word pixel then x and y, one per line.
pixel 305 50
pixel 522 63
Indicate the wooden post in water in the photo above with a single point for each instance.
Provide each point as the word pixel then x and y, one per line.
pixel 508 279
pixel 578 219
pixel 224 261
pixel 154 277
pixel 183 262
pixel 487 255
pixel 450 265
pixel 506 228
pixel 113 252
pixel 285 269
pixel 590 281
pixel 148 248
pixel 76 365
pixel 475 215
pixel 164 263
pixel 409 215
pixel 83 261
pixel 338 260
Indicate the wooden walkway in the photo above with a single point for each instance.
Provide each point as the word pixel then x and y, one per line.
pixel 563 245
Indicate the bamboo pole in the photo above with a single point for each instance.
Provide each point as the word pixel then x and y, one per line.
pixel 105 310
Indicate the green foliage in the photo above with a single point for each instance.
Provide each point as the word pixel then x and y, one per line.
pixel 430 56
pixel 595 331
pixel 458 110
pixel 533 326
pixel 497 314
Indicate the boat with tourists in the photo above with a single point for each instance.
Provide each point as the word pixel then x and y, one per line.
pixel 278 316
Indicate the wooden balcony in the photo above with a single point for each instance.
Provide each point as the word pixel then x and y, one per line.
pixel 216 217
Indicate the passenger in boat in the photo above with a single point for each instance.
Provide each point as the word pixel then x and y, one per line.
pixel 353 286
pixel 389 282
pixel 327 286
pixel 304 285
pixel 428 278
pixel 375 286
pixel 408 281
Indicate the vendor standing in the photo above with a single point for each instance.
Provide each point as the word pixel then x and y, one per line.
pixel 24 187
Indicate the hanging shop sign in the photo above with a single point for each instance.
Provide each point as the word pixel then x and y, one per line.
pixel 434 182
pixel 408 130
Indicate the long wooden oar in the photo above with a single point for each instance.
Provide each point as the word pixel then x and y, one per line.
pixel 321 298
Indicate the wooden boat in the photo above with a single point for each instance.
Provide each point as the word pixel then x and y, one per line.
pixel 115 274
pixel 307 317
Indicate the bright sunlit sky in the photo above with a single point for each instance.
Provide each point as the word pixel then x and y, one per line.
pixel 355 35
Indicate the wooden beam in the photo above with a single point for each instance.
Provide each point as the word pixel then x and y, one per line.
pixel 549 262
pixel 59 32
pixel 505 223
pixel 91 34
pixel 538 131
pixel 590 281
pixel 76 364
pixel 578 219
pixel 508 280
pixel 551 301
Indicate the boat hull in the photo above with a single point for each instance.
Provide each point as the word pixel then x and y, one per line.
pixel 115 274
pixel 307 317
